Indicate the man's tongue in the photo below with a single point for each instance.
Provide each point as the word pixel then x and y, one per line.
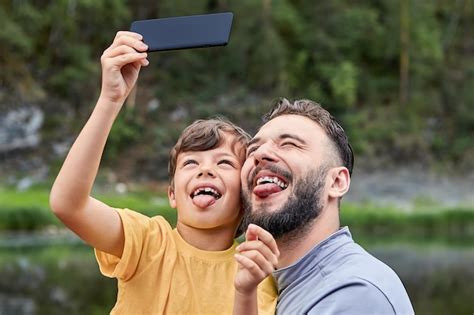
pixel 266 190
pixel 203 201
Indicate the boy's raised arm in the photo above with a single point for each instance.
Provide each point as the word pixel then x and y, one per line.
pixel 257 258
pixel 93 221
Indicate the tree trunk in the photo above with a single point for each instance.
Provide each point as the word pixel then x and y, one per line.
pixel 404 51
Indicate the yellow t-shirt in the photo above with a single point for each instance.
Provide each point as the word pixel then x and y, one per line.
pixel 159 273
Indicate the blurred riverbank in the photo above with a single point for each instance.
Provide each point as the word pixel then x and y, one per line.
pixel 412 187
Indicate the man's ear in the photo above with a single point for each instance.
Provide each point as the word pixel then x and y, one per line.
pixel 171 197
pixel 340 182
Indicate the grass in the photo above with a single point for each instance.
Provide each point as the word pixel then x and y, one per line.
pixel 29 210
pixel 444 224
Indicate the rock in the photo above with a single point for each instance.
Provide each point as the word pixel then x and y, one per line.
pixel 17 305
pixel 121 188
pixel 36 175
pixel 178 114
pixel 24 183
pixel 19 128
pixel 153 105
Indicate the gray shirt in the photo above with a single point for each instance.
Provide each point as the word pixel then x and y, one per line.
pixel 340 277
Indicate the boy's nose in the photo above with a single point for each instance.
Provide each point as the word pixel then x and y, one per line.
pixel 206 171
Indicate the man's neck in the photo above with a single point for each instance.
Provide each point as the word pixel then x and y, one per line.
pixel 294 247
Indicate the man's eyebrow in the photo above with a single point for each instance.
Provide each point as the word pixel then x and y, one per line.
pixel 292 136
pixel 253 141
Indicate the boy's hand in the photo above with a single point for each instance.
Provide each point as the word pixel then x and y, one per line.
pixel 257 257
pixel 121 63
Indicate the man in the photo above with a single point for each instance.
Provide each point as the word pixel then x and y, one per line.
pixel 298 168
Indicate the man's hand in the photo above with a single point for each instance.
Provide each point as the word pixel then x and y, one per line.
pixel 121 64
pixel 257 257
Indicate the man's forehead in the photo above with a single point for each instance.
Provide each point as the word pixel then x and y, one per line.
pixel 288 125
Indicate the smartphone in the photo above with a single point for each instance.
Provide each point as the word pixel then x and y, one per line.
pixel 185 31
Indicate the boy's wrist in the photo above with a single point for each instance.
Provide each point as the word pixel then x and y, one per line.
pixel 108 104
pixel 245 293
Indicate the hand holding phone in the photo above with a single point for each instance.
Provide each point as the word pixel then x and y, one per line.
pixel 185 31
pixel 121 64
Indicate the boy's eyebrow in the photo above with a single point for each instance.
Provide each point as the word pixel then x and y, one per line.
pixel 218 154
pixel 226 154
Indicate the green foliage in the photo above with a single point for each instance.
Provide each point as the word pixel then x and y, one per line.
pixel 343 83
pixel 126 129
pixel 56 44
pixel 25 219
pixel 343 54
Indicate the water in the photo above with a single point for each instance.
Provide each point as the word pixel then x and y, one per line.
pixel 439 279
pixel 42 274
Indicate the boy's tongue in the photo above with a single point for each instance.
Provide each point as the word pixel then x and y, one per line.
pixel 266 190
pixel 203 201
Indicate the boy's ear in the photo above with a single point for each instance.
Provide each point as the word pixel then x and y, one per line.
pixel 171 197
pixel 340 182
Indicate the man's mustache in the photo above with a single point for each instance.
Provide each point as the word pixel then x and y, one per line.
pixel 272 168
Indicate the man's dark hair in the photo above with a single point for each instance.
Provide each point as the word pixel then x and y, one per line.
pixel 323 118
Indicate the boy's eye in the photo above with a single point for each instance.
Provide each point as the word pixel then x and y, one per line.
pixel 225 162
pixel 188 162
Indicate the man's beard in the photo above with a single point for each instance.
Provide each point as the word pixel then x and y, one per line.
pixel 297 215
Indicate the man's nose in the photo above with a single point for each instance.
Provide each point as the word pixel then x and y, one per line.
pixel 264 153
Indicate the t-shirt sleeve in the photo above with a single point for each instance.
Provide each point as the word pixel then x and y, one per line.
pixel 359 297
pixel 143 236
pixel 267 296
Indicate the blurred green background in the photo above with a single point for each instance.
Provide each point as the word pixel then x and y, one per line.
pixel 398 75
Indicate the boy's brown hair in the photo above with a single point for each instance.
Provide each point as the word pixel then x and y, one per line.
pixel 207 134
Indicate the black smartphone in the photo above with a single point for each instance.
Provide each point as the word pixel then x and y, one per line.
pixel 185 31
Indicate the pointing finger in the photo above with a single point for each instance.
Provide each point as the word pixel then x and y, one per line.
pixel 256 232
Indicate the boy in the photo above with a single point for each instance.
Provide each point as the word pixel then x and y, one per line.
pixel 188 270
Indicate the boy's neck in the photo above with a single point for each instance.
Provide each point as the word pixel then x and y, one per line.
pixel 217 239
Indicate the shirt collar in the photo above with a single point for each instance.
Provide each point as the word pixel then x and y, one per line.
pixel 312 262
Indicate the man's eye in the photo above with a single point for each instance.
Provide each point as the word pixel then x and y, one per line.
pixel 288 144
pixel 251 150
